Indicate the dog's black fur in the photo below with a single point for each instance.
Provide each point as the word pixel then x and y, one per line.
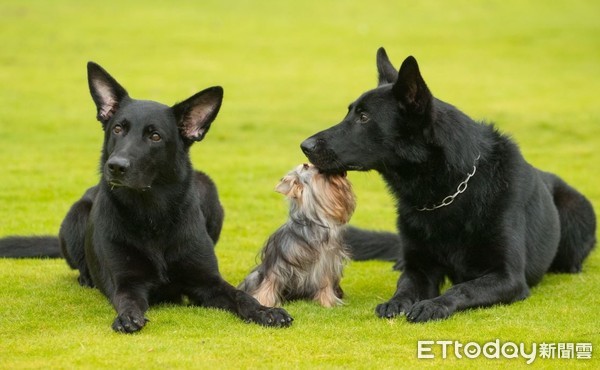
pixel 511 225
pixel 146 233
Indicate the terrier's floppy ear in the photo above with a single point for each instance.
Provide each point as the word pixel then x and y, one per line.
pixel 285 185
pixel 410 88
pixel 195 114
pixel 290 187
pixel 106 92
pixel 339 198
pixel 387 72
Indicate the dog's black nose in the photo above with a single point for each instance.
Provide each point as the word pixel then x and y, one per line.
pixel 309 145
pixel 118 166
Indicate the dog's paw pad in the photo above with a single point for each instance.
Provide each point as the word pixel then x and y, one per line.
pixel 427 310
pixel 392 308
pixel 129 323
pixel 272 317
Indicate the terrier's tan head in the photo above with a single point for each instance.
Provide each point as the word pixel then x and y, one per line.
pixel 320 194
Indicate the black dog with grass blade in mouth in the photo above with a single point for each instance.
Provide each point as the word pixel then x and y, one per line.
pixel 146 233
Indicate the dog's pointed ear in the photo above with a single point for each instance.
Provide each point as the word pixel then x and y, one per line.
pixel 106 92
pixel 195 114
pixel 410 88
pixel 385 68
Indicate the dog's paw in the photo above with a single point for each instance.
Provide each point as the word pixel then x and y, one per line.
pixel 129 323
pixel 399 265
pixel 271 316
pixel 392 308
pixel 85 281
pixel 428 310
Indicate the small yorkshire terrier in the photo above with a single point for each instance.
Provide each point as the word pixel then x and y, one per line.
pixel 305 257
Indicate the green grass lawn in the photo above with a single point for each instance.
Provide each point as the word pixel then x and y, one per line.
pixel 288 70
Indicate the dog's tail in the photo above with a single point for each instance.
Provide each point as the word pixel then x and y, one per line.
pixel 373 245
pixel 30 247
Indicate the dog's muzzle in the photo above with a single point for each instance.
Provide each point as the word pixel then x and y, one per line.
pixel 319 155
pixel 117 167
pixel 310 145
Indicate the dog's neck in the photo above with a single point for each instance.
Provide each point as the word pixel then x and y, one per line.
pixel 312 229
pixel 431 185
pixel 462 187
pixel 165 198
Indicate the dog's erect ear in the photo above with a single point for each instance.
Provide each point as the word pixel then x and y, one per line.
pixel 410 88
pixel 105 90
pixel 195 114
pixel 387 72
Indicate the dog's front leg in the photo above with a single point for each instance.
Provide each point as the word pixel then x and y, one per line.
pixel 413 286
pixel 217 293
pixel 490 289
pixel 131 303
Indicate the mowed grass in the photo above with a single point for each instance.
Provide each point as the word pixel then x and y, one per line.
pixel 288 70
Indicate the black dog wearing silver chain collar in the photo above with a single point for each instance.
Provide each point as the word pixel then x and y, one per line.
pixel 504 225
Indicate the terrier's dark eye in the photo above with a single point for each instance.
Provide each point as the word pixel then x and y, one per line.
pixel 305 166
pixel 117 129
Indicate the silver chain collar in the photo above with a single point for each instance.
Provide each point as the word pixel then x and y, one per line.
pixel 450 198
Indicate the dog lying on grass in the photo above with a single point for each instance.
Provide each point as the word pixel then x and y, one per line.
pixel 469 206
pixel 305 257
pixel 146 233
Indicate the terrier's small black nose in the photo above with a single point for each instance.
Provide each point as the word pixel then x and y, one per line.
pixel 118 166
pixel 309 145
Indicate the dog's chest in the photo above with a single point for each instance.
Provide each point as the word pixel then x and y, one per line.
pixel 459 261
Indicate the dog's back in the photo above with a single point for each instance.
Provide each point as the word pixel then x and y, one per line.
pixel 207 192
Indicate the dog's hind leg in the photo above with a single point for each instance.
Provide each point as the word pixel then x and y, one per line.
pixel 210 204
pixel 339 292
pixel 577 226
pixel 72 236
pixel 328 297
pixel 268 293
pixel 262 287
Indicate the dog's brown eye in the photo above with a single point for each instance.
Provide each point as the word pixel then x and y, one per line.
pixel 363 118
pixel 117 129
pixel 155 137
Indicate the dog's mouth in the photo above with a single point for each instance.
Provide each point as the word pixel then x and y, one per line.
pixel 115 184
pixel 341 170
pixel 341 173
pixel 329 164
pixel 118 184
